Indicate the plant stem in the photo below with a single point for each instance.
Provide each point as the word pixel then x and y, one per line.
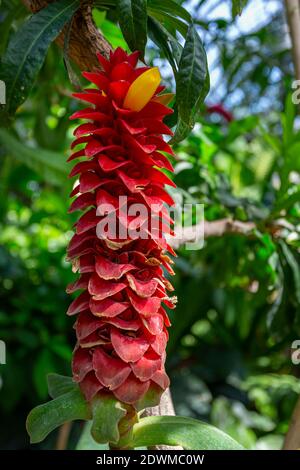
pixel 63 436
pixel 292 439
pixel 293 18
pixel 85 38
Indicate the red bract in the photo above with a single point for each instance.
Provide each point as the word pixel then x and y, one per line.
pixel 121 323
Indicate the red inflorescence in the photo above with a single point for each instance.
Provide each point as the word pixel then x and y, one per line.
pixel 121 323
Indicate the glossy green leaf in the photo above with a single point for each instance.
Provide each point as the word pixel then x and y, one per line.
pixel 188 433
pixel 181 132
pixel 132 16
pixel 170 47
pixel 50 166
pixel 45 418
pixel 169 21
pixel 59 385
pixel 192 81
pixel 171 7
pixel 27 50
pixel 107 412
pixel 192 75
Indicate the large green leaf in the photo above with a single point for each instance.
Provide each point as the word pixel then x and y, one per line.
pixel 165 41
pixel 60 384
pixel 132 15
pixel 192 81
pixel 188 433
pixel 170 7
pixel 45 418
pixel 27 50
pixel 169 21
pixel 192 75
pixel 50 166
pixel 107 413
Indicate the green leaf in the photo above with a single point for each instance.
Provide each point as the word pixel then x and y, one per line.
pixel 294 267
pixel 272 140
pixel 50 166
pixel 171 7
pixel 107 412
pixel 110 30
pixel 9 12
pixel 237 7
pixel 165 41
pixel 181 132
pixel 192 80
pixel 27 50
pixel 169 21
pixel 105 3
pixel 192 75
pixel 132 16
pixel 288 121
pixel 113 34
pixel 43 365
pixel 45 418
pixel 86 442
pixel 188 433
pixel 59 385
pixel 287 202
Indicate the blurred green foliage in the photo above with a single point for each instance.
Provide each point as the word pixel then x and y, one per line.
pixel 229 352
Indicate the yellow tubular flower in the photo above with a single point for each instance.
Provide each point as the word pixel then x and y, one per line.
pixel 142 89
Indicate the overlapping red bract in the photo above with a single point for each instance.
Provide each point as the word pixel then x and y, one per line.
pixel 121 324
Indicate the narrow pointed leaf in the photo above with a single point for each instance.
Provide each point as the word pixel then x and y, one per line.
pixel 132 15
pixel 165 41
pixel 192 80
pixel 171 7
pixel 27 50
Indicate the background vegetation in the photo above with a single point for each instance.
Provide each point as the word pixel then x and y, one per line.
pixel 229 355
